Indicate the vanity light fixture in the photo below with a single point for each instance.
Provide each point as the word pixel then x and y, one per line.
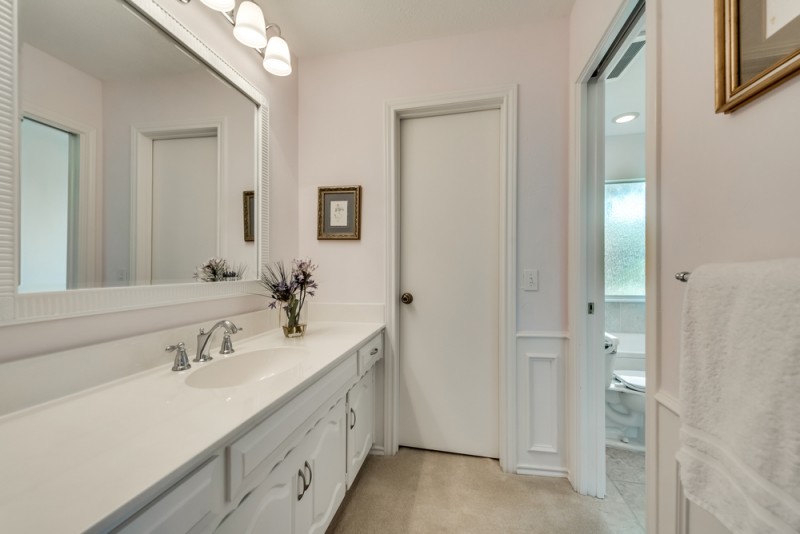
pixel 625 117
pixel 277 60
pixel 250 29
pixel 223 6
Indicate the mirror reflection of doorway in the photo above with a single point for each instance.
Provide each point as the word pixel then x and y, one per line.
pixel 49 181
pixel 184 207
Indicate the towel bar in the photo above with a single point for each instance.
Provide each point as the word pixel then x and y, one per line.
pixel 683 276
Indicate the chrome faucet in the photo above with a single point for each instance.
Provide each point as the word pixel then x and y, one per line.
pixel 203 339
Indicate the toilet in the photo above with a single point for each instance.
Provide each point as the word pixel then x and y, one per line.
pixel 625 401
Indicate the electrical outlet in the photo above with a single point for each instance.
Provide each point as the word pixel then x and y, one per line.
pixel 530 280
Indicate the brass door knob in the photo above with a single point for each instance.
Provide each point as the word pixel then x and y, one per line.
pixel 407 298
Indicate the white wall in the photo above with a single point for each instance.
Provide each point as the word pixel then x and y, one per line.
pixel 342 99
pixel 729 183
pixel 342 130
pixel 625 157
pixel 728 191
pixel 20 341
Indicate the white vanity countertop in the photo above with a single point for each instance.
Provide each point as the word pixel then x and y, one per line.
pixel 70 463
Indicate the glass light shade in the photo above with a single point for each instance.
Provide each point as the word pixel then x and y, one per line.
pixel 223 6
pixel 250 27
pixel 277 60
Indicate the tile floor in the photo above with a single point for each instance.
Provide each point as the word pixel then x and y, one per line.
pixel 625 479
pixel 419 491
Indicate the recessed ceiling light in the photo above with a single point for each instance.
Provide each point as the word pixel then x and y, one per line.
pixel 625 117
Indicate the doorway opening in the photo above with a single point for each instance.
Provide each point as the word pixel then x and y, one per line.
pixel 57 218
pixel 607 272
pixel 175 191
pixel 617 251
pixel 621 188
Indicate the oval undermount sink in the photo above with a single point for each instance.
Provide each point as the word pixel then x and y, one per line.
pixel 246 368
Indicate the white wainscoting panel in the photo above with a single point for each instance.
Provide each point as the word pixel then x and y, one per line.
pixel 541 446
pixel 542 385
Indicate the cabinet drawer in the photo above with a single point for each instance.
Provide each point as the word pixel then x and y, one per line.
pixel 370 353
pixel 182 507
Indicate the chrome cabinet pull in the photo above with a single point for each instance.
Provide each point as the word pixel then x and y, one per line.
pixel 353 424
pixel 301 491
pixel 310 477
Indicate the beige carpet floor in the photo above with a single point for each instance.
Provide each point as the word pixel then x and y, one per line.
pixel 424 491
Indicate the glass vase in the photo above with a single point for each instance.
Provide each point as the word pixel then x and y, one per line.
pixel 292 318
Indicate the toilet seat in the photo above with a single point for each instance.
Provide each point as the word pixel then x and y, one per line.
pixel 634 380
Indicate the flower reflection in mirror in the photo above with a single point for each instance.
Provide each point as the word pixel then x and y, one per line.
pixel 219 270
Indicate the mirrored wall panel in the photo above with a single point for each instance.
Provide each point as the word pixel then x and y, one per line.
pixel 134 155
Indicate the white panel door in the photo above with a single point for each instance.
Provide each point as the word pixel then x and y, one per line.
pixel 184 207
pixel 449 263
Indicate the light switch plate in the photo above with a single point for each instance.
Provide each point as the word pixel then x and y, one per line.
pixel 530 280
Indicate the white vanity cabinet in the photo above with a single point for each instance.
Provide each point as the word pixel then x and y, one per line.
pixel 285 471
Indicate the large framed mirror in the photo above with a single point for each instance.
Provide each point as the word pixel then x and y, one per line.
pixel 125 146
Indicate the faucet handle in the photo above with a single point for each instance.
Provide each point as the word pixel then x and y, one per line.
pixel 227 344
pixel 181 359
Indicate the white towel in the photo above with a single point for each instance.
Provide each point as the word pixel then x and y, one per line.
pixel 740 394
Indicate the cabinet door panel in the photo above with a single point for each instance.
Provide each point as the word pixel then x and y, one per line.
pixel 361 416
pixel 270 508
pixel 328 467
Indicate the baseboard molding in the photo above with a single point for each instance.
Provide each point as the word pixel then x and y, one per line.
pixel 542 471
pixel 377 451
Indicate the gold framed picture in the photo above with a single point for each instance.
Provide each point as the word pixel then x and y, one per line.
pixel 757 48
pixel 339 212
pixel 248 211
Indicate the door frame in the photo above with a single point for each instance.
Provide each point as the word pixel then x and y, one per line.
pixel 503 99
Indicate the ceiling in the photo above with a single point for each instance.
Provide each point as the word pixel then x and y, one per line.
pixel 123 47
pixel 626 94
pixel 320 27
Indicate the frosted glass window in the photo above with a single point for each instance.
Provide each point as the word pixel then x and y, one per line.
pixel 625 238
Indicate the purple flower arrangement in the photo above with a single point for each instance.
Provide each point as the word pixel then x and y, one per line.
pixel 289 290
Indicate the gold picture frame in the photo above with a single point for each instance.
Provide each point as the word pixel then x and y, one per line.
pixel 248 210
pixel 339 213
pixel 757 48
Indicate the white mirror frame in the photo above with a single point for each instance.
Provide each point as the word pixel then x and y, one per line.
pixel 21 308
